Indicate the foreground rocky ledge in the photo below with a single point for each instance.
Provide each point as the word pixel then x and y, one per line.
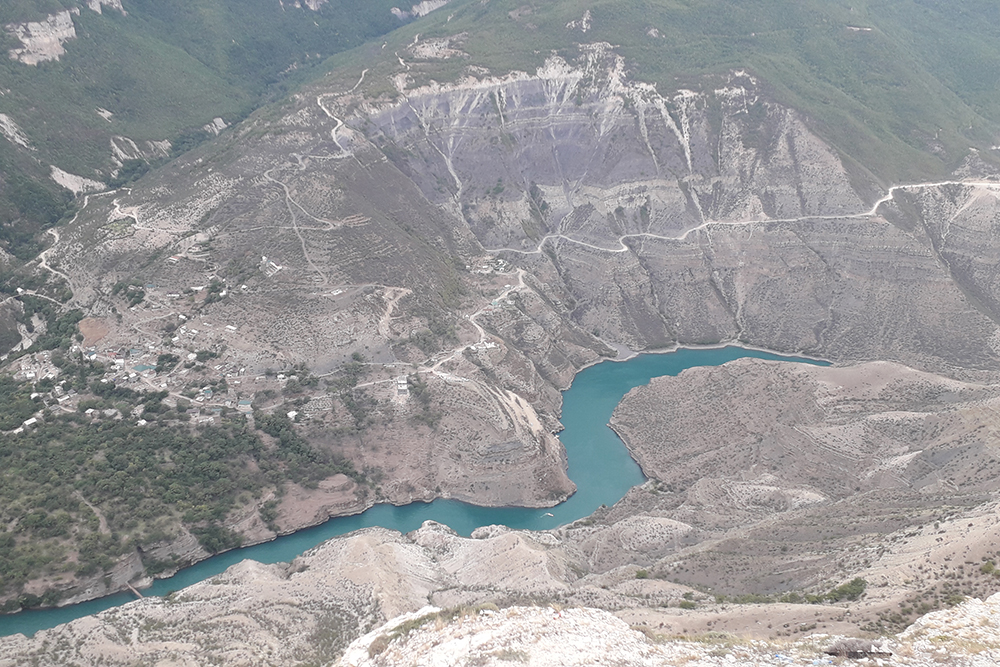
pixel 543 636
pixel 511 595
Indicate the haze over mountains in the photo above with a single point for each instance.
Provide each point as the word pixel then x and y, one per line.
pixel 355 253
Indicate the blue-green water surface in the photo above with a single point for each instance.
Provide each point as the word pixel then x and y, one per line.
pixel 599 464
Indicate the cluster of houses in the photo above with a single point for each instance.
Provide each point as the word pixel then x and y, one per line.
pixel 499 304
pixel 484 266
pixel 135 367
pixel 37 367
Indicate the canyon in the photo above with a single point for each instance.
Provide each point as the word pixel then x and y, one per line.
pixel 466 240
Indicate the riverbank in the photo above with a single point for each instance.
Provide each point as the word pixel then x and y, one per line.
pixel 598 462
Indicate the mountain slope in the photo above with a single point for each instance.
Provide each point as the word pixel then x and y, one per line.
pixel 92 85
pixel 904 89
pixel 501 597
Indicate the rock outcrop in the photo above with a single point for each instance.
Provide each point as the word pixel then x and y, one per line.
pixel 363 599
pixel 99 5
pixel 775 476
pixel 12 132
pixel 552 636
pixel 43 40
pixel 75 184
pixel 419 9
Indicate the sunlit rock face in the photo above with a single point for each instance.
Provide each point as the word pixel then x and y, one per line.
pixel 42 41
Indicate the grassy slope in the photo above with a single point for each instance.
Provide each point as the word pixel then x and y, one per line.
pixel 927 69
pixel 165 68
pixel 171 65
pixel 31 10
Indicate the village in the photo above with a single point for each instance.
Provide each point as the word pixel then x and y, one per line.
pixel 205 366
pixel 186 357
pixel 208 389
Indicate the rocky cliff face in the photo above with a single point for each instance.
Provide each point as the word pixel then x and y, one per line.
pixel 607 155
pixel 419 9
pixel 363 600
pixel 694 217
pixel 10 130
pixel 99 5
pixel 43 40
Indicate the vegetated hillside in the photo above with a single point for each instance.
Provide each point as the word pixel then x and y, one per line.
pixel 30 201
pixel 55 484
pixel 87 91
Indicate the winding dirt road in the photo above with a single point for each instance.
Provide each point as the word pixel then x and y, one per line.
pixel 43 260
pixel 870 213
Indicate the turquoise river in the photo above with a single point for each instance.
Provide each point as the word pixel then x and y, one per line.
pixel 599 464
